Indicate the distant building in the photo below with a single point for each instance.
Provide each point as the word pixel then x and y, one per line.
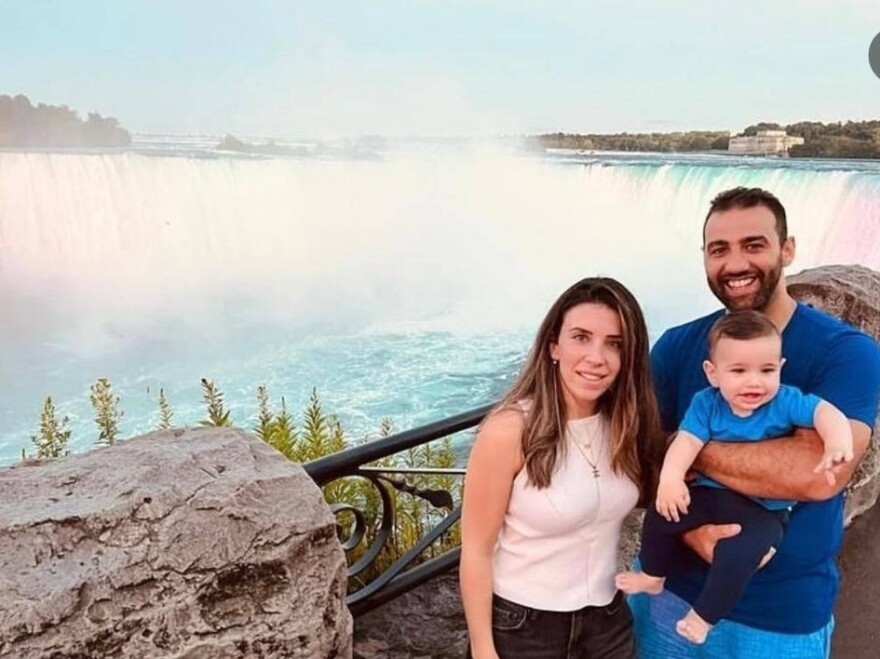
pixel 765 143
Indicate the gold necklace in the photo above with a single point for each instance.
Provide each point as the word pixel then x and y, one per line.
pixel 583 447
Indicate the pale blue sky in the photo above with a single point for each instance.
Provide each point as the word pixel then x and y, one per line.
pixel 329 68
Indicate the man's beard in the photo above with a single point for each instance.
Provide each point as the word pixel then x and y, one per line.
pixel 758 300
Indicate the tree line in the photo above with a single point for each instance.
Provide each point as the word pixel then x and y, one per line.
pixel 851 139
pixel 25 125
pixel 659 142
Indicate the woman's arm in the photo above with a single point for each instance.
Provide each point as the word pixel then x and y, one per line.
pixel 495 460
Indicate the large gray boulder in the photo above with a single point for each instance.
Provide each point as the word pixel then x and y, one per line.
pixel 852 293
pixel 187 544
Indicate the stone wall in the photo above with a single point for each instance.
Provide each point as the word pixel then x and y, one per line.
pixel 189 544
pixel 428 621
pixel 850 292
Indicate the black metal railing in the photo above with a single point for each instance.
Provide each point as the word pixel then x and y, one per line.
pixel 395 579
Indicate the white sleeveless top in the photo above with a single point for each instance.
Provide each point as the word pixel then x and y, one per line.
pixel 557 548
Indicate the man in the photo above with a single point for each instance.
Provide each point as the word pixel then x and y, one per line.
pixel 787 608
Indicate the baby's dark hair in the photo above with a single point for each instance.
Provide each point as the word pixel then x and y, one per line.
pixel 741 325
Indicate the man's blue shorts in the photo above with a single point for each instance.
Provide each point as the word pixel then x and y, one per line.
pixel 656 638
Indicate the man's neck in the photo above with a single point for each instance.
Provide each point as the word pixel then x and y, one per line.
pixel 780 307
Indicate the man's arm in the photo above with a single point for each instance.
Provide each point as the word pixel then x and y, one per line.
pixel 849 379
pixel 753 468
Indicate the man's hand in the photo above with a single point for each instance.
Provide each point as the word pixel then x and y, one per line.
pixel 673 498
pixel 704 538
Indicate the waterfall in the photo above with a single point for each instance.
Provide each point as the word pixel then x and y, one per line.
pixel 154 267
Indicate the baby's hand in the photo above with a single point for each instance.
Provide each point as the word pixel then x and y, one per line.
pixel 836 453
pixel 672 497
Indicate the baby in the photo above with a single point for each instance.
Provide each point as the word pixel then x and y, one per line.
pixel 746 402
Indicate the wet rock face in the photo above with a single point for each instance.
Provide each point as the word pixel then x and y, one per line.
pixel 852 293
pixel 189 543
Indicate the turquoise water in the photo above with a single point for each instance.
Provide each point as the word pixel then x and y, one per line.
pixel 406 287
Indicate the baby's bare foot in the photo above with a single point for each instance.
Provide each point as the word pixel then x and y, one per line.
pixel 639 582
pixel 693 627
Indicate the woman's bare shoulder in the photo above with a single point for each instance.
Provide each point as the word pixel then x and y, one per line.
pixel 503 428
pixel 505 419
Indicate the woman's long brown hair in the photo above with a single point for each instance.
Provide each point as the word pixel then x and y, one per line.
pixel 630 404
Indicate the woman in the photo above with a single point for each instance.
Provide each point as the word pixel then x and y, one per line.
pixel 554 470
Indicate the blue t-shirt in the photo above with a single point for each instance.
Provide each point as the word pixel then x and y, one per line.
pixel 795 592
pixel 709 417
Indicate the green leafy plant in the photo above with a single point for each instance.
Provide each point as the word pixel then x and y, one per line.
pixel 276 429
pixel 165 413
pixel 107 412
pixel 264 414
pixel 218 415
pixel 53 434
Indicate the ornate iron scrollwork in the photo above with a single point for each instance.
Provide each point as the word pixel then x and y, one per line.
pixel 399 576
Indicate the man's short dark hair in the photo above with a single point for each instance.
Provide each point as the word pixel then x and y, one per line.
pixel 742 325
pixel 749 198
